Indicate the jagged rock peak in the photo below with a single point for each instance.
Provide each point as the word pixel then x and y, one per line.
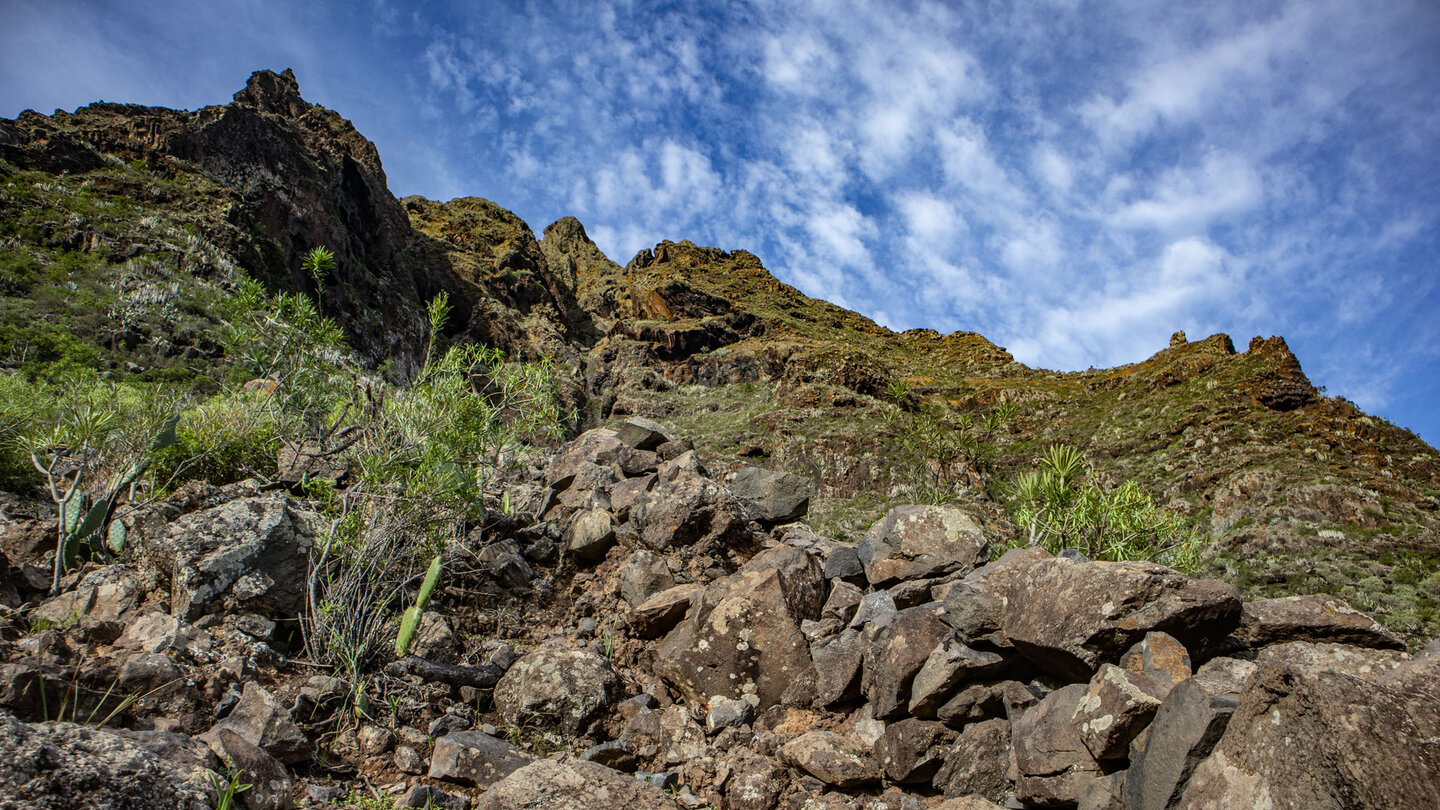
pixel 566 233
pixel 271 92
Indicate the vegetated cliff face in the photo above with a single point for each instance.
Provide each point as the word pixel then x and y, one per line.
pixel 1298 492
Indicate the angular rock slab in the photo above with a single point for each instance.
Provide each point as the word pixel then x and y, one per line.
pixel 686 507
pixel 1184 731
pixel 565 688
pixel 1309 735
pixel 262 721
pixel 1116 706
pixel 572 784
pixel 835 759
pixel 978 763
pixel 920 541
pixel 771 497
pixel 1052 763
pixel 1317 617
pixel 1069 618
pixel 896 655
pixel 912 750
pixel 473 758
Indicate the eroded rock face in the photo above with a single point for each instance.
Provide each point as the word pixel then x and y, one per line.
pixel 1307 734
pixel 686 507
pixel 248 555
pixel 572 784
pixel 1071 617
pixel 564 688
pixel 920 541
pixel 57 766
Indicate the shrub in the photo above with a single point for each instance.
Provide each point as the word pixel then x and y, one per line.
pixel 1057 508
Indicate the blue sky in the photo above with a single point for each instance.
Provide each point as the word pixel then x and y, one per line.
pixel 1074 180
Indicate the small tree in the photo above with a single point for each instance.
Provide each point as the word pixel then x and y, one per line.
pixel 1058 507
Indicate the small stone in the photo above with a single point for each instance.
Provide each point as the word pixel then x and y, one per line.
pixel 408 760
pixel 375 739
pixel 728 713
pixel 446 723
pixel 429 796
pixel 665 780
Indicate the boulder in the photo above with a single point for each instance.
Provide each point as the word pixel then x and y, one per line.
pixel 563 688
pixel 844 598
pixel 161 632
pixel 269 782
pixel 1183 732
pixel 1116 706
pixel 896 654
pixel 838 662
pixel 1052 764
pixel 771 497
pixel 262 721
pixel 572 784
pixel 741 639
pixel 920 541
pixel 109 594
pixel 843 563
pixel 1071 617
pixel 912 750
pixel 1309 733
pixel 598 446
pixel 978 763
pixel 973 704
pixel 839 760
pixel 247 555
pixel 801 575
pixel 685 507
pixel 1317 618
pixel 643 434
pixel 56 766
pixel 951 664
pixel 644 575
pixel 473 758
pixel 591 535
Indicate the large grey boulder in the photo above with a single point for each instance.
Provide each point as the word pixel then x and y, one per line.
pixel 1071 617
pixel 572 784
pixel 950 665
pixel 740 639
pixel 1311 733
pixel 563 688
pixel 921 541
pixel 643 434
pixel 250 555
pixel 912 750
pixel 771 497
pixel 473 758
pixel 58 766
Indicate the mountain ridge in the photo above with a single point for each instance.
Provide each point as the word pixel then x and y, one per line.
pixel 1240 442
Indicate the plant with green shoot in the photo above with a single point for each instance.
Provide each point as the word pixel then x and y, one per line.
pixel 227 788
pixel 411 621
pixel 1059 506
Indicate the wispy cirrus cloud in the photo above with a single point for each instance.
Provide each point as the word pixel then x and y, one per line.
pixel 1073 183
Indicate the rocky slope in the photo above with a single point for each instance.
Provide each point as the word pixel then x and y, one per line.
pixel 744 604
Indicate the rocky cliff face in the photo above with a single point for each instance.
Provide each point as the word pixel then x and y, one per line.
pixel 746 601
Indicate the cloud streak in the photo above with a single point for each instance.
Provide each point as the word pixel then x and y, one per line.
pixel 1075 185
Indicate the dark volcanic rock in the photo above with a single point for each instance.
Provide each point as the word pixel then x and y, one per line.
pixel 473 758
pixel 58 766
pixel 896 654
pixel 565 688
pixel 572 784
pixel 771 497
pixel 920 541
pixel 1316 617
pixel 1071 617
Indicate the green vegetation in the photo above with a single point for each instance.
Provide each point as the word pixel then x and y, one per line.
pixel 411 620
pixel 1058 507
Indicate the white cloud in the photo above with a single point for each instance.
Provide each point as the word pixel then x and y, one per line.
pixel 1190 199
